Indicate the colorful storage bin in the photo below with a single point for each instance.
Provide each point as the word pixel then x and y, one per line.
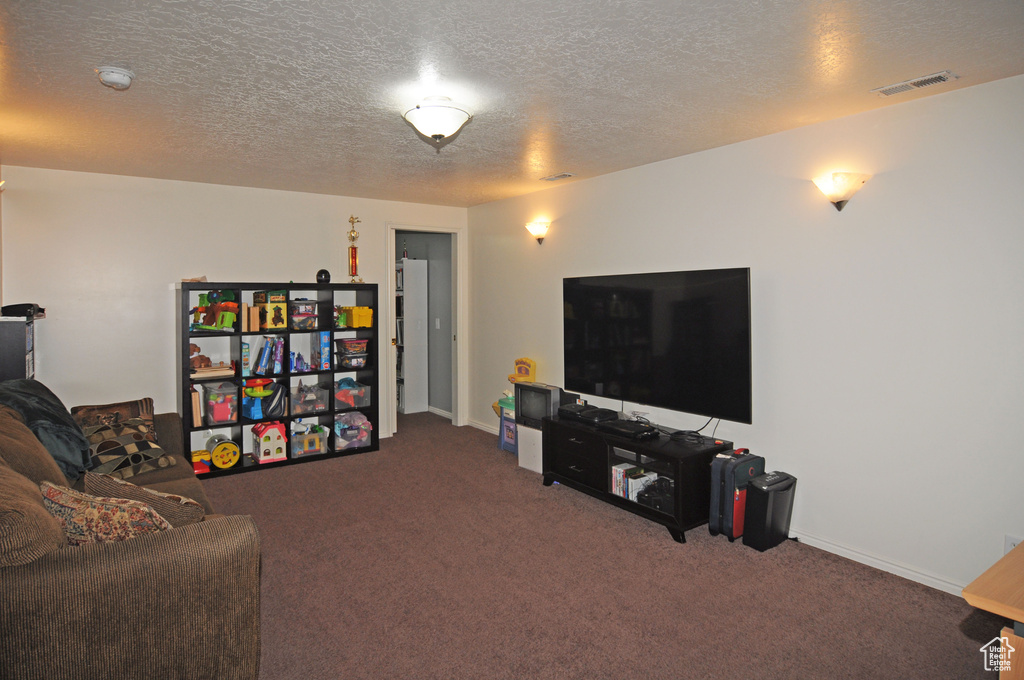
pixel 351 430
pixel 221 403
pixel 351 345
pixel 350 394
pixel 310 399
pixel 352 360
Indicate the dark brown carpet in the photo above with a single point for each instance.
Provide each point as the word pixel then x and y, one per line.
pixel 438 557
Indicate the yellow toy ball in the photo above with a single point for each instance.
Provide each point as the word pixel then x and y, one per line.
pixel 223 451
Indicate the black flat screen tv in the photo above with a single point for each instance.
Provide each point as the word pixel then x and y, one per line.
pixel 673 340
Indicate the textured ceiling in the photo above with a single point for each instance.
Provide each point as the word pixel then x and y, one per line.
pixel 306 95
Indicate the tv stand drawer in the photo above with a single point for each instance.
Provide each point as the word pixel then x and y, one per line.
pixel 581 468
pixel 580 456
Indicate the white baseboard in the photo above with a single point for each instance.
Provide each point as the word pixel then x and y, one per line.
pixel 439 412
pixel 489 426
pixel 878 562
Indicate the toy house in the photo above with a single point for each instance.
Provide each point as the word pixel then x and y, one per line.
pixel 269 442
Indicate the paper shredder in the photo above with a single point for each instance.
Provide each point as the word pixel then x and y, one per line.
pixel 768 511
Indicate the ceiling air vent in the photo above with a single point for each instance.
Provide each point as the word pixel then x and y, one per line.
pixel 555 178
pixel 915 84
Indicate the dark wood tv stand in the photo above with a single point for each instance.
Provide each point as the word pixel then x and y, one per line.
pixel 581 457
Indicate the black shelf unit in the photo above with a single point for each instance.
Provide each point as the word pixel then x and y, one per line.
pixel 17 351
pixel 226 346
pixel 583 458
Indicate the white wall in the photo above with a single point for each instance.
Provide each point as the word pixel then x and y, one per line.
pixel 887 338
pixel 102 252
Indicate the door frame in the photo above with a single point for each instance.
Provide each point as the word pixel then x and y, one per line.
pixel 460 324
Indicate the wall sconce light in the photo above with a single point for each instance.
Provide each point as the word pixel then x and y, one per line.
pixel 839 187
pixel 438 117
pixel 538 230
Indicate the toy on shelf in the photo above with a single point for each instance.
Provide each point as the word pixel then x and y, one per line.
pixel 223 451
pixel 273 306
pixel 197 360
pixel 299 364
pixel 308 439
pixel 269 355
pixel 351 430
pixel 351 352
pixel 263 398
pixel 201 461
pixel 252 408
pixel 526 371
pixel 216 311
pixel 198 312
pixel 221 406
pixel 352 360
pixel 352 394
pixel 302 314
pixel 200 365
pixel 353 317
pixel 351 345
pixel 320 352
pixel 309 399
pixel 269 442
pixel 258 387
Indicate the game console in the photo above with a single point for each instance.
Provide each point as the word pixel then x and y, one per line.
pixel 571 411
pixel 631 429
pixel 586 414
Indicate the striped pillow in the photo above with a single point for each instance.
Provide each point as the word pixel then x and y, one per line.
pixel 177 510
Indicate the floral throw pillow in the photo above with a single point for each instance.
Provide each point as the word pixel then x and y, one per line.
pixel 91 519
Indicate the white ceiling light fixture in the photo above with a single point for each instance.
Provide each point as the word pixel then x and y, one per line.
pixel 114 77
pixel 438 117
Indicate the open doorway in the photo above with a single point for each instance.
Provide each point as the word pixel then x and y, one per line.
pixel 437 381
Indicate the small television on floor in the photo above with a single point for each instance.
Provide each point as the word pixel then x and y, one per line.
pixel 536 401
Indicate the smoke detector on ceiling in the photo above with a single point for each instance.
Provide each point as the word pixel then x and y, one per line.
pixel 915 84
pixel 117 78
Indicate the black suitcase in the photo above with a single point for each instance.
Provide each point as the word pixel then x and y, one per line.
pixel 730 473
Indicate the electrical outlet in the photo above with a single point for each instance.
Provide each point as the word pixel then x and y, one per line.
pixel 1010 542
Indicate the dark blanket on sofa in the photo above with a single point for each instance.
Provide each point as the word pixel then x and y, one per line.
pixel 50 422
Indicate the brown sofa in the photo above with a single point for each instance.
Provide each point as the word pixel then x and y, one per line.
pixel 179 603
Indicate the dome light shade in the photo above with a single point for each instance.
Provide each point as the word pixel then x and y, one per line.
pixel 438 117
pixel 114 77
